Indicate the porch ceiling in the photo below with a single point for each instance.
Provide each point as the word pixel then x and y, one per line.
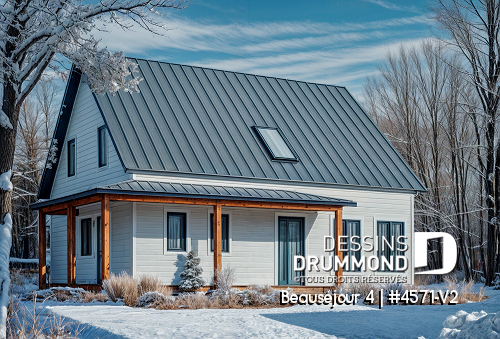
pixel 185 190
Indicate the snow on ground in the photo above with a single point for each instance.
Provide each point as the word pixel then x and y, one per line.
pixel 116 321
pixel 23 261
pixel 471 325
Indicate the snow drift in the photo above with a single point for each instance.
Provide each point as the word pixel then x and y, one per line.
pixel 465 325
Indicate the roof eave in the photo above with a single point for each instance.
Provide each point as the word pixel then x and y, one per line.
pixel 99 190
pixel 60 130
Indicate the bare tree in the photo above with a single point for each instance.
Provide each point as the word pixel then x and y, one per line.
pixel 474 28
pixel 46 92
pixel 30 152
pixel 32 32
pixel 418 102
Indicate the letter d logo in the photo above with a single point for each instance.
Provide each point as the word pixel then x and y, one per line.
pixel 449 251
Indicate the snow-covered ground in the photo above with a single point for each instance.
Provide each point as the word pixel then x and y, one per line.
pixel 108 320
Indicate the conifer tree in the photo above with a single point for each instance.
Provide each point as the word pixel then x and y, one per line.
pixel 191 276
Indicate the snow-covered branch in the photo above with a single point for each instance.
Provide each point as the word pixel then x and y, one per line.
pixel 4 120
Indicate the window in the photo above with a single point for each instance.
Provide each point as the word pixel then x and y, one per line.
pixel 275 143
pixel 388 246
pixel 351 228
pixel 86 237
pixel 102 145
pixel 225 232
pixel 71 157
pixel 176 231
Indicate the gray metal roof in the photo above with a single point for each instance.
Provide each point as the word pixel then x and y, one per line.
pixel 198 120
pixel 185 190
pixel 220 192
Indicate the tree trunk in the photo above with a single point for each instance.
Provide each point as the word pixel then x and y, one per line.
pixel 7 144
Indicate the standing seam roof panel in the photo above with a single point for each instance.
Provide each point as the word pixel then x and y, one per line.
pixel 302 141
pixel 335 155
pixel 321 113
pixel 365 163
pixel 242 123
pixel 274 119
pixel 197 120
pixel 213 124
pixel 384 143
pixel 147 99
pixel 357 123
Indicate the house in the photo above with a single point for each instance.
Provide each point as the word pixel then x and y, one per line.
pixel 265 166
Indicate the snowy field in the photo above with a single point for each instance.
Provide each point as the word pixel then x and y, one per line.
pixel 108 320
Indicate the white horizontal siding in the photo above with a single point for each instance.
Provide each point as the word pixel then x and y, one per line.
pixel 86 267
pixel 253 230
pixel 121 237
pixel 83 125
pixel 58 249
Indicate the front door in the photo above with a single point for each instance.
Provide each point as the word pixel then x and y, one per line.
pixel 290 244
pixel 87 249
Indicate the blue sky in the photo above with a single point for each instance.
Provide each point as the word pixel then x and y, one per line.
pixel 332 42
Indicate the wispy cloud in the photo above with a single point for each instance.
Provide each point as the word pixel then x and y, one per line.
pixel 341 54
pixel 256 37
pixel 332 66
pixel 392 6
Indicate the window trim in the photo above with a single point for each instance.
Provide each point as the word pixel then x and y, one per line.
pixel 79 236
pixel 210 216
pixel 360 240
pixel 106 147
pixel 405 222
pixel 73 141
pixel 352 217
pixel 166 211
pixel 268 147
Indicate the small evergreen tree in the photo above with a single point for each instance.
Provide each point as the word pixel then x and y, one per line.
pixel 191 276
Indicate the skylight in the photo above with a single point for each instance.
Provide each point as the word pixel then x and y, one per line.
pixel 275 143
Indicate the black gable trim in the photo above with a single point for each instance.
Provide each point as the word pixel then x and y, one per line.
pixel 60 132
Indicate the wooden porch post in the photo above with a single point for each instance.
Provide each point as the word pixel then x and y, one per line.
pixel 105 237
pixel 338 233
pixel 217 239
pixel 42 249
pixel 71 232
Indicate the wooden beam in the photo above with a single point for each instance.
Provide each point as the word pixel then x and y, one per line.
pixel 217 240
pixel 338 233
pixel 61 212
pixel 58 208
pixel 71 232
pixel 229 203
pixel 42 251
pixel 105 237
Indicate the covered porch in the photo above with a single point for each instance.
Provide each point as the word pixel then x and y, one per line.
pixel 213 197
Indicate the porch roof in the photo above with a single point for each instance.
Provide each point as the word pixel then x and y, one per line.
pixel 185 190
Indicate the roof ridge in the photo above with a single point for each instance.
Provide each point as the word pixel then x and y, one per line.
pixel 236 72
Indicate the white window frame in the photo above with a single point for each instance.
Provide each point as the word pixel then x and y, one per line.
pixel 78 235
pixel 166 210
